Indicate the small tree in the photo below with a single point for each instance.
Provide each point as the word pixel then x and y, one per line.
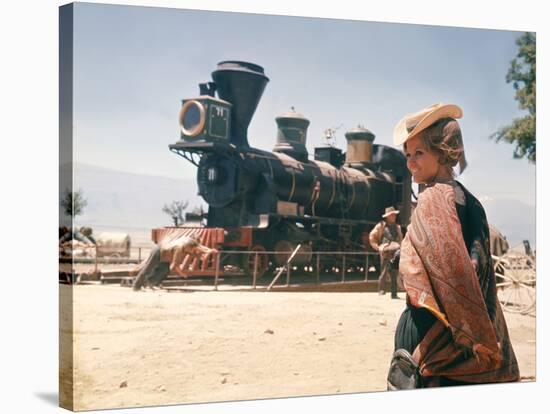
pixel 175 210
pixel 73 203
pixel 522 72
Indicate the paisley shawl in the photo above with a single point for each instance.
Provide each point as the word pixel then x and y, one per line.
pixel 464 344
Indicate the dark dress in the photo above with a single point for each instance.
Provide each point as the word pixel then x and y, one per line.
pixel 414 322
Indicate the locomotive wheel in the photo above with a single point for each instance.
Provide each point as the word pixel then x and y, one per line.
pixel 284 249
pixel 263 261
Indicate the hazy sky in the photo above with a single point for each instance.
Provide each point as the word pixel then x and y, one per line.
pixel 133 65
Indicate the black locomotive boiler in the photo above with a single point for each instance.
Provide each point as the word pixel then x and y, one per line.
pixel 273 201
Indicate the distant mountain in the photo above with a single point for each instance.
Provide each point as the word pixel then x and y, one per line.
pixel 515 220
pixel 121 199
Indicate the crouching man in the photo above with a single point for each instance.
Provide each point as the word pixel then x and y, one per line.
pixel 172 255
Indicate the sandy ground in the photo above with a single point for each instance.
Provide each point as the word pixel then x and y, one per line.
pixel 157 347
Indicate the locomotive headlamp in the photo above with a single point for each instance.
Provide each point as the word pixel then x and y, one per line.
pixel 205 118
pixel 192 118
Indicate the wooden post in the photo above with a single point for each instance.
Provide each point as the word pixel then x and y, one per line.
pixel 139 254
pixel 318 267
pixel 287 274
pixel 366 266
pixel 217 274
pixel 343 267
pixel 255 274
pixel 96 259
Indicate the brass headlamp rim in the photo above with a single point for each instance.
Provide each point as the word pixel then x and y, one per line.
pixel 202 118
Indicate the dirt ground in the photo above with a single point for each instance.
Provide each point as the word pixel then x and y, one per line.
pixel 157 347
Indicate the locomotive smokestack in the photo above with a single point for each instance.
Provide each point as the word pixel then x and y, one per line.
pixel 359 149
pixel 241 84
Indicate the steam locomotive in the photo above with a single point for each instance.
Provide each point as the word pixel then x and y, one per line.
pixel 269 202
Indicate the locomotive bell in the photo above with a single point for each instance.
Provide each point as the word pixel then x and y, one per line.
pixel 291 135
pixel 359 148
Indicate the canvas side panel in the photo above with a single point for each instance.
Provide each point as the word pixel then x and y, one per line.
pixel 66 355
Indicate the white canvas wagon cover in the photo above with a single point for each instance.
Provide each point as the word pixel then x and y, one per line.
pixel 113 242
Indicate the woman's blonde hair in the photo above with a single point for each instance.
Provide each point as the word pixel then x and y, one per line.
pixel 444 139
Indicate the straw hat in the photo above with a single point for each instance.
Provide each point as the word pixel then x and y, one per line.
pixel 389 211
pixel 412 124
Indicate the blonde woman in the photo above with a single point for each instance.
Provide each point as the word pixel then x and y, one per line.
pixel 453 331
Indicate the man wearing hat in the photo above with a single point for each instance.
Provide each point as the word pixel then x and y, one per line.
pixel 386 238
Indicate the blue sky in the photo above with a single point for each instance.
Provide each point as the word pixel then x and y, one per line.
pixel 134 64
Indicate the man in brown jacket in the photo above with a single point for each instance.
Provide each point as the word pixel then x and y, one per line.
pixel 386 238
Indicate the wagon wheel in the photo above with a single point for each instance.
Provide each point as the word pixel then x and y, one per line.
pixel 249 259
pixel 516 284
pixel 115 257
